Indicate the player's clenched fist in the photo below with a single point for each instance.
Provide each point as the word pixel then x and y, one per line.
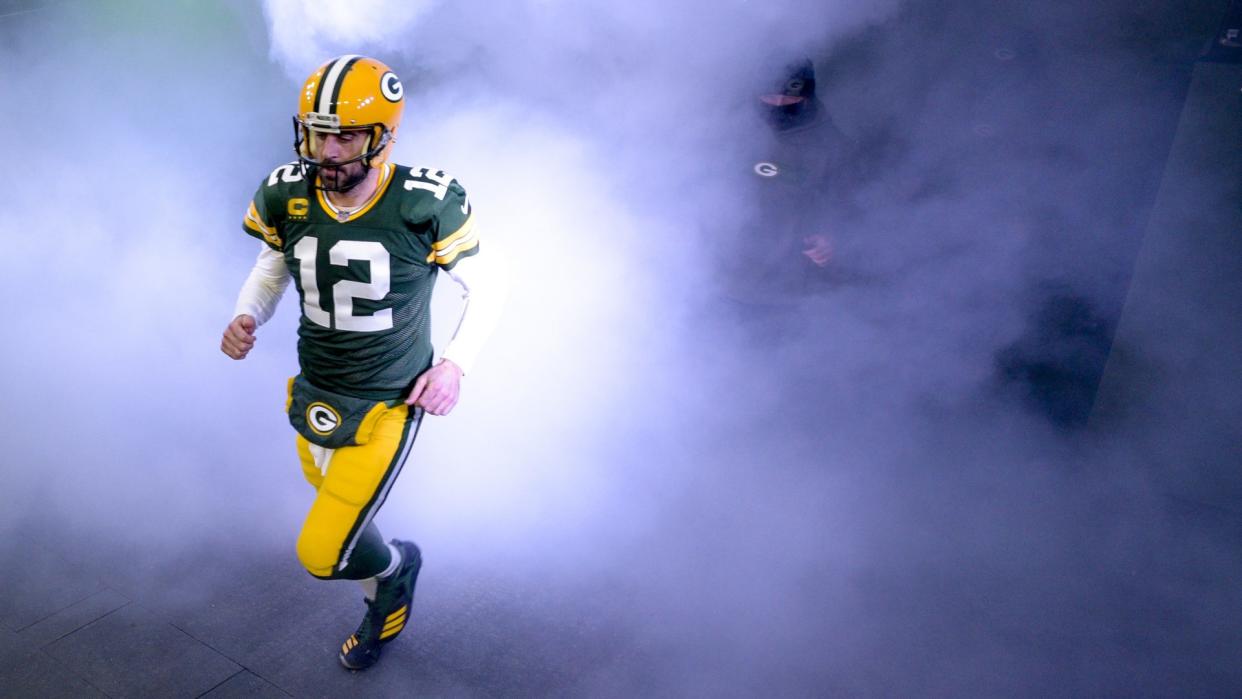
pixel 238 337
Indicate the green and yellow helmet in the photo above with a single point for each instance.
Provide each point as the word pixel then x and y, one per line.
pixel 350 93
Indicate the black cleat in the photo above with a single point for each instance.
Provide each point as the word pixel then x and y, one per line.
pixel 387 615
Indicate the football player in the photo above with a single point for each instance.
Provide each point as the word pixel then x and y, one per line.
pixel 362 239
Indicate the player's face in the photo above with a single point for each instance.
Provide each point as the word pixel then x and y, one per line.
pixel 330 148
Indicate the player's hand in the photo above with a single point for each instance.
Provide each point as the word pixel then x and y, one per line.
pixel 239 337
pixel 818 249
pixel 436 389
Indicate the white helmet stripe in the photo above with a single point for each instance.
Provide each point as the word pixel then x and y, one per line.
pixel 330 78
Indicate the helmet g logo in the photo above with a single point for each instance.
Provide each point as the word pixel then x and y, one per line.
pixel 322 419
pixel 390 87
pixel 767 169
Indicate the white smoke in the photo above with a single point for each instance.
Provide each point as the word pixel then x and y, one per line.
pixel 300 31
pixel 580 130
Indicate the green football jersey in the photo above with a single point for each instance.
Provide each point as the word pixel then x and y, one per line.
pixel 365 277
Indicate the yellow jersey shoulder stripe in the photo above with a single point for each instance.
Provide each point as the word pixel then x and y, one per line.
pixel 456 253
pixel 256 224
pixel 467 228
pixel 464 240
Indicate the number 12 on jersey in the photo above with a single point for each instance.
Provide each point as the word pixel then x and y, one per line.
pixel 346 290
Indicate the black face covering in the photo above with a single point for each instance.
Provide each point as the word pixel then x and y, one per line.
pixel 799 81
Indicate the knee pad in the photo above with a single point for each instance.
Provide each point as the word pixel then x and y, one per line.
pixel 321 556
pixel 318 555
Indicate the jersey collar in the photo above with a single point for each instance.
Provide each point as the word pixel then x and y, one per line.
pixel 386 171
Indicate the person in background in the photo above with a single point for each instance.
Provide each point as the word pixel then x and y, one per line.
pixel 796 167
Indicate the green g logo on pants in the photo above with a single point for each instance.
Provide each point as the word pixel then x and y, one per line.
pixel 322 418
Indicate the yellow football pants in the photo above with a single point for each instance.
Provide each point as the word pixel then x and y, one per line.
pixel 337 538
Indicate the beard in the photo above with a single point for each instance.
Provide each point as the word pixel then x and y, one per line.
pixel 341 178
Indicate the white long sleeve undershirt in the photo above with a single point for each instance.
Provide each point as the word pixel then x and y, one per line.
pixel 481 277
pixel 484 283
pixel 264 287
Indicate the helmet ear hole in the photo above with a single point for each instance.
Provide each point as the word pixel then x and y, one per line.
pixel 368 149
pixel 379 139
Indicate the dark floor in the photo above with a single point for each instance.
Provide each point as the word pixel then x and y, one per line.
pixel 69 628
pixel 1052 583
